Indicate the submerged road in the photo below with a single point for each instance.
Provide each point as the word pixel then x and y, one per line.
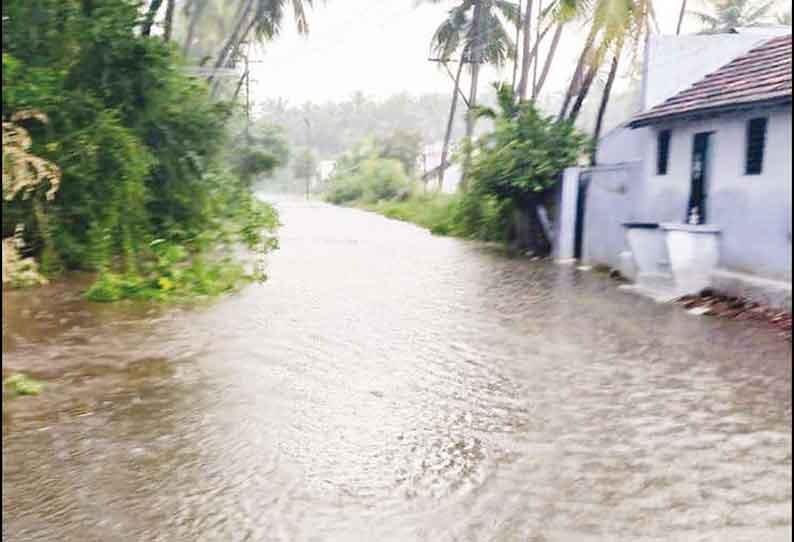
pixel 387 385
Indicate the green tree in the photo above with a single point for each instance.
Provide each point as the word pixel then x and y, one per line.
pixel 727 14
pixel 613 24
pixel 139 145
pixel 521 160
pixel 477 31
pixel 403 146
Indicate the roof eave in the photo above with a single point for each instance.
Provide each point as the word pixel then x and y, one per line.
pixel 698 114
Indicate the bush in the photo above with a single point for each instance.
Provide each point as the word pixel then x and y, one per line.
pixel 371 181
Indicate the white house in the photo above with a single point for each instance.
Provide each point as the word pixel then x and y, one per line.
pixel 718 161
pixel 695 190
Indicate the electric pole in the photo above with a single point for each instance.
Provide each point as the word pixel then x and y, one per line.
pixel 308 157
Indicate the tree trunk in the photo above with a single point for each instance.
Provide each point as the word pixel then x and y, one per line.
pixel 232 45
pixel 148 19
pixel 518 39
pixel 613 70
pixel 534 57
pixel 476 61
pixel 169 20
pixel 577 74
pixel 235 37
pixel 450 124
pixel 585 90
pixel 549 58
pixel 526 61
pixel 528 229
pixel 681 17
pixel 195 17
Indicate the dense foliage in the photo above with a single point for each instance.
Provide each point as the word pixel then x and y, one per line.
pixel 365 175
pixel 140 146
pixel 525 153
pixel 513 169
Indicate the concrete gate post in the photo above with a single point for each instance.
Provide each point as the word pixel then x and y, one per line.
pixel 565 221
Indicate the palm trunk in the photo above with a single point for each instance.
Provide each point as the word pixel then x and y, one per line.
pixel 235 38
pixel 586 84
pixel 577 74
pixel 526 61
pixel 537 44
pixel 476 60
pixel 232 45
pixel 450 124
pixel 518 38
pixel 549 58
pixel 613 70
pixel 148 19
pixel 169 20
pixel 195 17
pixel 681 17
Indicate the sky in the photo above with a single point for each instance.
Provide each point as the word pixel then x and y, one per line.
pixel 381 47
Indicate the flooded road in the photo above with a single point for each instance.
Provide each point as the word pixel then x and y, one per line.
pixel 388 385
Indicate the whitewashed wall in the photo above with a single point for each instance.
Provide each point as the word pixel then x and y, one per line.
pixel 754 211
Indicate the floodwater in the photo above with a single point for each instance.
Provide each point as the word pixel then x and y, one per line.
pixel 388 385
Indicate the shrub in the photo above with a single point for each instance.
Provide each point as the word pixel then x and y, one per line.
pixel 371 180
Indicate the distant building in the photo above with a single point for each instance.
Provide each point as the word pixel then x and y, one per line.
pixel 326 170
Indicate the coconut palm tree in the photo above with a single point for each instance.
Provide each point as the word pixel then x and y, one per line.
pixel 556 13
pixel 614 24
pixel 728 14
pixel 477 31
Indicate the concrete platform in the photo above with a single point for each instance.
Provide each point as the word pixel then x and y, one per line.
pixel 770 292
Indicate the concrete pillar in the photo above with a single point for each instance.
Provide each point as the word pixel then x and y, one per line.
pixel 565 223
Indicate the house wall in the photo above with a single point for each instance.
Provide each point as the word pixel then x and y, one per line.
pixel 754 211
pixel 673 63
pixel 611 197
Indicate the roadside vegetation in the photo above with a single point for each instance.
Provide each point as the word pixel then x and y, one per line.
pixel 120 163
pixel 513 169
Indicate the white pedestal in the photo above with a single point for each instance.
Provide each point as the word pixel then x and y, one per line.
pixel 694 253
pixel 647 244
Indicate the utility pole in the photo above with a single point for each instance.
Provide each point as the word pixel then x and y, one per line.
pixel 246 79
pixel 308 157
pixel 518 39
pixel 247 100
pixel 451 120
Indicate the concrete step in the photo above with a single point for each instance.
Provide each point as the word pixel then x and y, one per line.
pixel 658 286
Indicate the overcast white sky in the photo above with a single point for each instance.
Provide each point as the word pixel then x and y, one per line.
pixel 380 47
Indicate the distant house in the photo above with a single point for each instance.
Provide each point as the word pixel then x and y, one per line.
pixel 326 170
pixel 706 165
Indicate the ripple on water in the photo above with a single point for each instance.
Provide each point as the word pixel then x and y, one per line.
pixel 389 385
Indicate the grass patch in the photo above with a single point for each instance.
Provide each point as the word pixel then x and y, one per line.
pixel 20 384
pixel 432 211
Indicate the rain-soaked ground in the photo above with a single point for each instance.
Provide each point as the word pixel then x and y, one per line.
pixel 388 385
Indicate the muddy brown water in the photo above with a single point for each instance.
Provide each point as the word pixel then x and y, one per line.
pixel 388 385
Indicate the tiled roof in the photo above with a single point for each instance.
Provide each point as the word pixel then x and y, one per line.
pixel 762 75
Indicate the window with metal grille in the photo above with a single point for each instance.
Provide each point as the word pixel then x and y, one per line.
pixel 662 151
pixel 756 140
